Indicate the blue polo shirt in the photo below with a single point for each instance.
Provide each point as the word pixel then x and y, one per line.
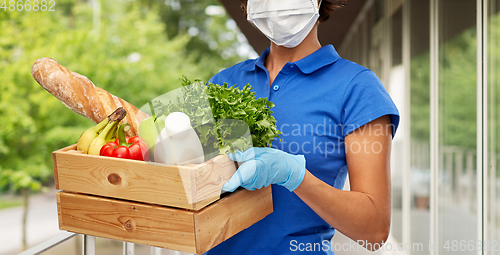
pixel 318 101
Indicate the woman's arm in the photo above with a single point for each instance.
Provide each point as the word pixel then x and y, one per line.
pixel 364 213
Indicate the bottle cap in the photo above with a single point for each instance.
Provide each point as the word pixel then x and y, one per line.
pixel 176 123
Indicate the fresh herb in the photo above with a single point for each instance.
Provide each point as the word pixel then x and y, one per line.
pixel 223 115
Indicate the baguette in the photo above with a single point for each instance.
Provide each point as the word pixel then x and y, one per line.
pixel 79 94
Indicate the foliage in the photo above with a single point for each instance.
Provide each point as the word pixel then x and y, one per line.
pixel 493 92
pixel 214 35
pixel 457 92
pixel 420 98
pixel 124 50
pixel 223 115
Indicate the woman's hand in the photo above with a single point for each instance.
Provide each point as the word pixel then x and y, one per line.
pixel 265 166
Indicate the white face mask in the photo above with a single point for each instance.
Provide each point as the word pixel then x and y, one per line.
pixel 284 22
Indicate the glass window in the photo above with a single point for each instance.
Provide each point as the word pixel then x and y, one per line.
pixel 419 123
pixel 457 211
pixel 492 236
pixel 395 86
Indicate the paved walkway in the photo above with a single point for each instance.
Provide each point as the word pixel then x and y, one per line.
pixel 42 223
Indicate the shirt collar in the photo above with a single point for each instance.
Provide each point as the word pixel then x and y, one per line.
pixel 324 56
pixel 250 65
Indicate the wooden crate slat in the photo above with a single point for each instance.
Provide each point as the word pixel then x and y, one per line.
pixel 190 187
pixel 208 178
pixel 128 221
pixel 231 215
pixel 161 226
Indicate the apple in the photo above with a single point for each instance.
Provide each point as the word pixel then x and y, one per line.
pixel 149 130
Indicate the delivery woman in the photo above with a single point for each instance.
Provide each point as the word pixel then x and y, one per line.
pixel 335 117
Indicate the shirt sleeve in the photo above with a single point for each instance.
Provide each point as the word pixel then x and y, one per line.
pixel 365 99
pixel 213 80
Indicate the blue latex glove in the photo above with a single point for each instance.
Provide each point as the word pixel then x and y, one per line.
pixel 265 166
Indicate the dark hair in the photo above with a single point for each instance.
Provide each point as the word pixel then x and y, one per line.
pixel 325 10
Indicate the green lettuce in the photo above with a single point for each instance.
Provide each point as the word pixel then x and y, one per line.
pixel 233 112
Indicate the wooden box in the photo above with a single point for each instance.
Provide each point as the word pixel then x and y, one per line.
pixel 173 207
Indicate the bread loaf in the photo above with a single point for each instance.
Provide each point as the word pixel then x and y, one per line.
pixel 79 94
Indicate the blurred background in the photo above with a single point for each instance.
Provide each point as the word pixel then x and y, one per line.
pixel 136 50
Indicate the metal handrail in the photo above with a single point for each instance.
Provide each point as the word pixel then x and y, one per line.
pixel 49 244
pixel 88 245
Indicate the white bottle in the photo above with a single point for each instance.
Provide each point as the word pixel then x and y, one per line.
pixel 178 143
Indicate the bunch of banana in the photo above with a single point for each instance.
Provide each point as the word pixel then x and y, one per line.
pixel 92 140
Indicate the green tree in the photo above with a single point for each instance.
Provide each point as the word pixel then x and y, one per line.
pixel 128 52
pixel 215 36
